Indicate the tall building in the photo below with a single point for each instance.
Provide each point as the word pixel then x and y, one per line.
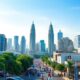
pixel 37 48
pixel 50 40
pixel 42 46
pixel 77 42
pixel 3 42
pixel 16 43
pixel 66 45
pixel 23 44
pixel 60 36
pixel 9 44
pixel 32 39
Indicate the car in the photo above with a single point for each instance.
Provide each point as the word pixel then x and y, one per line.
pixel 14 78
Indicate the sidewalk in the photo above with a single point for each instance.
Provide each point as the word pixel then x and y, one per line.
pixel 65 78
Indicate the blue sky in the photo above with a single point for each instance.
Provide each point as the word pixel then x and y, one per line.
pixel 16 17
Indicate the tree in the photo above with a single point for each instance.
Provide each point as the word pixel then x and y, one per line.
pixel 69 67
pixel 70 64
pixel 45 58
pixel 2 63
pixel 53 64
pixel 26 61
pixel 60 67
pixel 49 62
pixel 8 55
pixel 17 67
pixel 15 64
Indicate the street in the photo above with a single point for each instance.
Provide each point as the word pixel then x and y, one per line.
pixel 46 73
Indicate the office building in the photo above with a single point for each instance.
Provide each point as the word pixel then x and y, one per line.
pixel 66 45
pixel 23 45
pixel 3 42
pixel 60 36
pixel 42 46
pixel 16 43
pixel 9 44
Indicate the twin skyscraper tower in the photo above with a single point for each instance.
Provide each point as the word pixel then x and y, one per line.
pixel 51 46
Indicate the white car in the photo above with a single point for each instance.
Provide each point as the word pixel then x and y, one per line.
pixel 14 78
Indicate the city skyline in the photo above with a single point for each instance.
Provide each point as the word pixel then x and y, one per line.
pixel 17 16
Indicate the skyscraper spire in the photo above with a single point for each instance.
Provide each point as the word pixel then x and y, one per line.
pixel 50 40
pixel 32 39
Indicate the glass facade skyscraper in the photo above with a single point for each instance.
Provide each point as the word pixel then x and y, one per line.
pixel 50 40
pixel 9 44
pixel 32 39
pixel 3 42
pixel 42 46
pixel 60 35
pixel 23 44
pixel 16 43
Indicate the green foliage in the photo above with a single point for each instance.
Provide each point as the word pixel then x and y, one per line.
pixel 2 63
pixel 49 62
pixel 25 60
pixel 44 58
pixel 8 55
pixel 70 64
pixel 13 64
pixel 17 68
pixel 60 67
pixel 53 64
